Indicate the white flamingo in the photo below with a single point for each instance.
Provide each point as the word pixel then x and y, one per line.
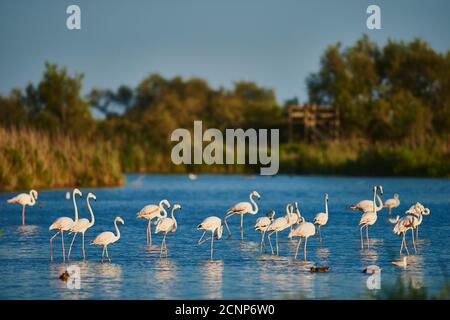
pixel 107 237
pixel 392 203
pixel 369 205
pixel 278 225
pixel 166 225
pixel 262 223
pixel 214 225
pixel 151 212
pixel 25 199
pixel 418 210
pixel 294 218
pixel 82 225
pixel 321 218
pixel 401 227
pixel 368 218
pixel 304 230
pixel 242 208
pixel 64 224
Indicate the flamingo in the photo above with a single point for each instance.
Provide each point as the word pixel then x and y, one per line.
pixel 166 225
pixel 368 218
pixel 418 210
pixel 304 230
pixel 278 225
pixel 401 227
pixel 82 225
pixel 401 263
pixel 392 203
pixel 213 224
pixel 321 218
pixel 151 212
pixel 294 218
pixel 242 208
pixel 25 199
pixel 368 205
pixel 262 223
pixel 107 237
pixel 64 224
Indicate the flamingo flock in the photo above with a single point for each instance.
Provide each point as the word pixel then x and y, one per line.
pixel 292 220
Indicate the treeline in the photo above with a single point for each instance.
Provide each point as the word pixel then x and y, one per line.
pixel 393 103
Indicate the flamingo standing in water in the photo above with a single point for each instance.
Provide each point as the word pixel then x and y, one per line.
pixel 64 224
pixel 369 205
pixel 262 223
pixel 278 225
pixel 151 212
pixel 401 227
pixel 25 199
pixel 368 218
pixel 107 237
pixel 166 225
pixel 392 203
pixel 242 208
pixel 304 230
pixel 418 210
pixel 321 218
pixel 294 218
pixel 82 225
pixel 214 225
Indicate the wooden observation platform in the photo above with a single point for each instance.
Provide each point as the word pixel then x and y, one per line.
pixel 312 122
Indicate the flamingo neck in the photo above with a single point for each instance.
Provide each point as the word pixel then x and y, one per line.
pixel 161 206
pixel 75 206
pixel 255 210
pixel 326 206
pixel 380 203
pixel 117 230
pixel 91 223
pixel 374 199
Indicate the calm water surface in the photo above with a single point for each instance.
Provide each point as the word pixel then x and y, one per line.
pixel 238 271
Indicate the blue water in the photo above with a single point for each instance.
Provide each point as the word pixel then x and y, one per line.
pixel 238 271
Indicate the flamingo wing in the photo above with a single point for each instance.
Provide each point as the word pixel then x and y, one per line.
pixel 241 207
pixel 104 238
pixel 63 223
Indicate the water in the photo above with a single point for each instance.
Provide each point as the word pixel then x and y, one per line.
pixel 238 271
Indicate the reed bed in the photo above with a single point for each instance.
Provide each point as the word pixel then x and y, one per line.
pixel 31 158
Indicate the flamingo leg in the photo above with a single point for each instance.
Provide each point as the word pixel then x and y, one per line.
pixel 264 241
pixel 150 232
pixel 404 241
pixel 304 249
pixel 51 240
pixel 71 244
pixel 146 232
pixel 401 247
pixel 320 234
pixel 261 244
pixel 362 241
pixel 298 246
pixel 242 226
pixel 276 240
pixel 23 215
pixel 390 212
pixel 103 252
pixel 367 236
pixel 82 247
pixel 212 244
pixel 107 254
pixel 62 242
pixel 413 242
pixel 162 246
pixel 417 232
pixel 228 215
pixel 270 241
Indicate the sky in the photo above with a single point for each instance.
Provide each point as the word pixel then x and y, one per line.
pixel 276 43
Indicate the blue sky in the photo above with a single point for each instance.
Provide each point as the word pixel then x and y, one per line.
pixel 275 43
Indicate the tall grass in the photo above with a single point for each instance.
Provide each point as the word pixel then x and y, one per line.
pixel 30 158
